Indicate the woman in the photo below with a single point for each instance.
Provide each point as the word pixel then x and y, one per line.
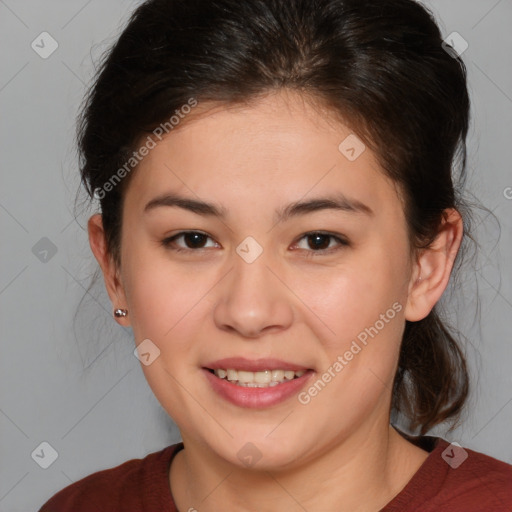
pixel 278 222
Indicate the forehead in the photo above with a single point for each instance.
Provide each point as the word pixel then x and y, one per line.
pixel 279 148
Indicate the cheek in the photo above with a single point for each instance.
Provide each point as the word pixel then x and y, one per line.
pixel 167 305
pixel 163 298
pixel 353 297
pixel 363 305
pixel 362 308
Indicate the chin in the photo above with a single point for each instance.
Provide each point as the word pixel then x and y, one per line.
pixel 260 452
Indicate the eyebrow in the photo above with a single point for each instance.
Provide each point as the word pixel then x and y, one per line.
pixel 335 202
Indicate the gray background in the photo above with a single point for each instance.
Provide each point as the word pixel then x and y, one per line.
pixel 74 381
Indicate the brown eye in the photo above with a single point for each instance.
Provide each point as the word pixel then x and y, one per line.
pixel 194 240
pixel 318 243
pixel 190 240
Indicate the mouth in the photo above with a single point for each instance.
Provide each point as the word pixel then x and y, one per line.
pixel 260 379
pixel 256 384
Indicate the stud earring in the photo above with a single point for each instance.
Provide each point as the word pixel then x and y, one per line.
pixel 120 312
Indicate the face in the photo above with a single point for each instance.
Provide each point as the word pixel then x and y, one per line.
pixel 298 262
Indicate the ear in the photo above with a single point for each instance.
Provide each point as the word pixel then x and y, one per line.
pixel 98 244
pixel 432 270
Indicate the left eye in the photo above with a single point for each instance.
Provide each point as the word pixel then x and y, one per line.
pixel 316 242
pixel 319 242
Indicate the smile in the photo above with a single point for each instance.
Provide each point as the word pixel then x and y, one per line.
pixel 260 379
pixel 256 389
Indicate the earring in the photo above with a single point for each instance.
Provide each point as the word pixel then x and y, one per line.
pixel 120 312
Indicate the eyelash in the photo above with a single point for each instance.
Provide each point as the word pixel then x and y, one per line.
pixel 167 243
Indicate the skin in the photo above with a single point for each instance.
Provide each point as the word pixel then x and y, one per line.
pixel 200 306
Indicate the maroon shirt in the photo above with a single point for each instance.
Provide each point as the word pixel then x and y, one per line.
pixel 447 481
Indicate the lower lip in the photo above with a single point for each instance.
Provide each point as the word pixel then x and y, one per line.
pixel 256 398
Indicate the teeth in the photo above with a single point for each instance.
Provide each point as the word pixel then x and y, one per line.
pixel 242 376
pixel 263 379
pixel 277 375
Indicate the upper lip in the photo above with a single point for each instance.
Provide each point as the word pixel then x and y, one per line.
pixel 253 365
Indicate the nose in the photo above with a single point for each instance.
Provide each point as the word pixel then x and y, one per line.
pixel 253 301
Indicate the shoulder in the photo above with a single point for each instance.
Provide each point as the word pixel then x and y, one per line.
pixel 141 484
pixel 476 478
pixel 454 478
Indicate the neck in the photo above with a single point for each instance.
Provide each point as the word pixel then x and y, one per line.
pixel 362 472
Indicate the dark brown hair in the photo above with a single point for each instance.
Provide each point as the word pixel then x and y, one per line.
pixel 378 64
